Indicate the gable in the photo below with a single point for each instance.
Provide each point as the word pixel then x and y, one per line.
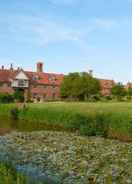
pixel 21 75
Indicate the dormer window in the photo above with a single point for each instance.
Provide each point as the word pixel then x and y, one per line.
pixel 52 78
pixel 36 77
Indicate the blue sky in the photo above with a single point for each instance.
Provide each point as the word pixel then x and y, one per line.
pixel 68 36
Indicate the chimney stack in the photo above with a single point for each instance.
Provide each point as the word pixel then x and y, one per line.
pixel 11 67
pixel 39 67
pixel 2 67
pixel 91 72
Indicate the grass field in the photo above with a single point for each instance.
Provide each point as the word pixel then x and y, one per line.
pixel 112 120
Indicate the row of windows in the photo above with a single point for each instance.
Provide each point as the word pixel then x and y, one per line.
pixel 44 87
pixel 4 85
pixel 50 78
pixel 23 83
pixel 44 96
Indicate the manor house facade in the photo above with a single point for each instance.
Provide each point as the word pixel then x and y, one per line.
pixel 39 85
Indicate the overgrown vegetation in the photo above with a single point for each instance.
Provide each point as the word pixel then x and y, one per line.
pixel 10 98
pixel 18 96
pixel 6 98
pixel 113 120
pixel 8 175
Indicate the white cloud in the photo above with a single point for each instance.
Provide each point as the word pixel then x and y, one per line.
pixel 42 31
pixel 106 24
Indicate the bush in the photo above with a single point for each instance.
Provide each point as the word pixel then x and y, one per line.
pixel 94 98
pixel 14 113
pixel 75 121
pixel 19 96
pixel 6 98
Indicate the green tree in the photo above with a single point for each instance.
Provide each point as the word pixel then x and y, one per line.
pixel 6 98
pixel 19 96
pixel 118 91
pixel 129 93
pixel 79 86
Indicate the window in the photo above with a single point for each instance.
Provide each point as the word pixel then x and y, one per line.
pixel 44 87
pixel 52 78
pixel 53 96
pixel 35 95
pixel 53 87
pixel 21 83
pixel 36 77
pixel 44 95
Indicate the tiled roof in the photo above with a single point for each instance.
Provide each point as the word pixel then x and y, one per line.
pixel 6 75
pixel 39 78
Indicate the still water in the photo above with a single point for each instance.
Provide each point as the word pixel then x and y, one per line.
pixel 19 176
pixel 8 125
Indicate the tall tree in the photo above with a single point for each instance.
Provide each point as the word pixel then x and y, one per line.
pixel 129 93
pixel 118 91
pixel 79 86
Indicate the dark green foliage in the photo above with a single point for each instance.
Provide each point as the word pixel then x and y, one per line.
pixel 118 91
pixel 14 113
pixel 129 93
pixel 76 120
pixel 19 96
pixel 6 98
pixel 8 175
pixel 79 86
pixel 95 126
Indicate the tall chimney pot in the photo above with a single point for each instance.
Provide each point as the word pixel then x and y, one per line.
pixel 11 67
pixel 39 67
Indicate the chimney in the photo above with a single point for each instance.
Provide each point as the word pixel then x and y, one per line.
pixel 18 68
pixel 91 72
pixel 2 67
pixel 11 67
pixel 39 67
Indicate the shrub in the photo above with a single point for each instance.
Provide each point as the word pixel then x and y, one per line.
pixel 6 98
pixel 75 121
pixel 14 113
pixel 19 96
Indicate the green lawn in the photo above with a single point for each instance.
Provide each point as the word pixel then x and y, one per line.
pixel 84 107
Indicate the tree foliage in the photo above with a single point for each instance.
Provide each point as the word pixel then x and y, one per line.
pixel 118 91
pixel 6 98
pixel 79 86
pixel 19 96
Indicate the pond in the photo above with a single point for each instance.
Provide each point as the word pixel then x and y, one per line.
pixel 18 175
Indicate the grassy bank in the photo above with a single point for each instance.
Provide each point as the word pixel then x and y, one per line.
pixel 112 120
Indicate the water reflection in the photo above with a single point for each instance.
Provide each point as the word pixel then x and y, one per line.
pixel 7 125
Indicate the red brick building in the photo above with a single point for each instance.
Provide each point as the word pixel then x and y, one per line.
pixel 39 86
pixel 129 85
pixel 106 86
